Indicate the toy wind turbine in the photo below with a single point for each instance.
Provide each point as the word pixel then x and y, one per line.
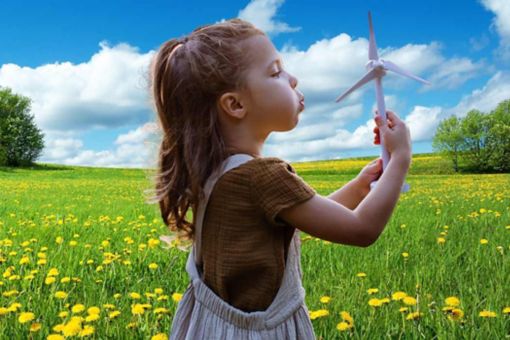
pixel 377 69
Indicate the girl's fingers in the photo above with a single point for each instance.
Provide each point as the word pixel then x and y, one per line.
pixel 393 118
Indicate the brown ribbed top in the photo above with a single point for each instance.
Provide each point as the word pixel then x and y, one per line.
pixel 244 242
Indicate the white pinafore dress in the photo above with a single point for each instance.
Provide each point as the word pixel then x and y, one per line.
pixel 201 314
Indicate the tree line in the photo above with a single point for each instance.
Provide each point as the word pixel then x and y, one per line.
pixel 478 142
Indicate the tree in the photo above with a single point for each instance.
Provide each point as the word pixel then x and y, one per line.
pixel 499 137
pixel 474 128
pixel 480 140
pixel 448 139
pixel 21 142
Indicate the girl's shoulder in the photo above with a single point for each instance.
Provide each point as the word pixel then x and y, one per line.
pixel 276 186
pixel 271 166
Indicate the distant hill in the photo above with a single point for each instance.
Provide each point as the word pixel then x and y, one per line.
pixel 422 164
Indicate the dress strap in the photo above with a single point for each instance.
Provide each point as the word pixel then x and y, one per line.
pixel 195 258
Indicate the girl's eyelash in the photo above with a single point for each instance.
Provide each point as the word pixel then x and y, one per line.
pixel 277 73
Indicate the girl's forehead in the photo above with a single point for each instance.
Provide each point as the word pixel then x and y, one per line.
pixel 261 50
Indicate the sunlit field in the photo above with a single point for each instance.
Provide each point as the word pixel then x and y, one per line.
pixel 80 256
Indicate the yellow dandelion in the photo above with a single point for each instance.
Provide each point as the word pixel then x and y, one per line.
pixel 325 299
pixel 403 309
pixel 452 301
pixel 153 266
pixel 385 300
pixel 49 280
pixel 372 290
pixel 35 327
pixel 506 310
pixel 63 314
pixel 409 300
pixel 4 311
pixel 24 260
pixel 398 295
pixel 92 317
pixel 134 296
pixel 137 309
pixel 375 302
pixel 26 317
pixel 361 275
pixel 413 316
pixel 73 243
pixel 487 314
pixel 343 326
pixel 456 314
pixel 484 241
pixel 441 240
pixel 55 337
pixel 78 308
pixel 176 297
pixel 108 306
pixel 318 313
pixel 117 296
pixel 59 240
pixel 405 254
pixel 93 310
pixel 131 325
pixel 60 294
pixel 161 310
pixel 158 291
pixel 114 314
pixel 347 317
pixel 87 330
pixel 73 327
pixel 160 336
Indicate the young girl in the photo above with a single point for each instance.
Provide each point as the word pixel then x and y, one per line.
pixel 219 92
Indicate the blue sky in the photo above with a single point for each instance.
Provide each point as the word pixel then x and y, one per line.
pixel 83 63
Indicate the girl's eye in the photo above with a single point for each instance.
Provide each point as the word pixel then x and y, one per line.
pixel 276 74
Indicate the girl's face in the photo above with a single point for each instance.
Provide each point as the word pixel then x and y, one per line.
pixel 271 97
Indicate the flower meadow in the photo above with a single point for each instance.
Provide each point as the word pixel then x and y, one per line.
pixel 80 257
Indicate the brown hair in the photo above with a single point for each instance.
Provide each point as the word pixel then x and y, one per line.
pixel 185 86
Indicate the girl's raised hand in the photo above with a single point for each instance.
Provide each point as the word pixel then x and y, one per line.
pixel 396 136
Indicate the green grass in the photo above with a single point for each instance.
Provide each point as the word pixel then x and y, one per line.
pixel 82 204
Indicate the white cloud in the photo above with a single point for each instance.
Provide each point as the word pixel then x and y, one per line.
pixel 106 91
pixel 422 122
pixel 261 13
pixel 501 23
pixel 135 149
pixel 452 73
pixel 60 148
pixel 485 99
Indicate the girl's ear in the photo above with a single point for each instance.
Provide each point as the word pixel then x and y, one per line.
pixel 231 104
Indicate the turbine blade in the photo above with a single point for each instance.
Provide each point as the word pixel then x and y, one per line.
pixel 372 47
pixel 392 67
pixel 366 78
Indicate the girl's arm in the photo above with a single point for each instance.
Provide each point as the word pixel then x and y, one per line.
pixel 350 195
pixel 326 219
